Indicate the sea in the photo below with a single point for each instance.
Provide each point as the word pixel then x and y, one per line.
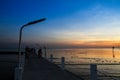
pixel 78 61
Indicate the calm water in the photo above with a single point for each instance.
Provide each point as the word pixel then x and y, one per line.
pixel 110 60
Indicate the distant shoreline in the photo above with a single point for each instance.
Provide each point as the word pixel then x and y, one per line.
pixel 9 52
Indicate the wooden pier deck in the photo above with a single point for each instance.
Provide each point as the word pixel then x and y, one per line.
pixel 41 69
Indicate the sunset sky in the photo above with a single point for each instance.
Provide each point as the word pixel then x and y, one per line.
pixel 70 23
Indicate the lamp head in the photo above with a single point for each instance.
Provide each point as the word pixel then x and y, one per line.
pixel 34 22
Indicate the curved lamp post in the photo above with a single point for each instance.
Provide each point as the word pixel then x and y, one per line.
pixel 20 36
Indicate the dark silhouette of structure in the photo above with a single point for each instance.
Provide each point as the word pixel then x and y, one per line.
pixel 113 51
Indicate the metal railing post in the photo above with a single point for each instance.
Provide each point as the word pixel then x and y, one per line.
pixel 18 73
pixel 93 72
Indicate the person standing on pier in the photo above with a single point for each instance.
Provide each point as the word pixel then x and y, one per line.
pixel 40 53
pixel 33 52
pixel 27 51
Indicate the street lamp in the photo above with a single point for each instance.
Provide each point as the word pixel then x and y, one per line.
pixel 20 36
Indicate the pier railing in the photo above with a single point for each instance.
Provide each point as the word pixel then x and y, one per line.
pixel 94 73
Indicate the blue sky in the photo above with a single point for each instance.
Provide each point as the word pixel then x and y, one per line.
pixel 69 22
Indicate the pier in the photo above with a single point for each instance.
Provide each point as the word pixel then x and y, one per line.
pixel 41 69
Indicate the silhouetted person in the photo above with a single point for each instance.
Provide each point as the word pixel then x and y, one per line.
pixel 40 53
pixel 27 51
pixel 33 51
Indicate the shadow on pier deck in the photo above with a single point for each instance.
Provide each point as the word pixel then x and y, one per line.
pixel 41 69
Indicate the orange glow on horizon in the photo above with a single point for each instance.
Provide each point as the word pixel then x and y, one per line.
pixel 97 43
